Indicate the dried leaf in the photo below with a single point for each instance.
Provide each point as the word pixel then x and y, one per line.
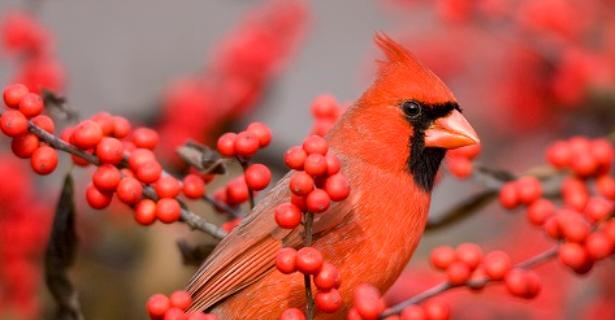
pixel 194 255
pixel 463 210
pixel 56 102
pixel 203 158
pixel 60 256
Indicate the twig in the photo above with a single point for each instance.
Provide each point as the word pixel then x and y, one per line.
pixel 193 220
pixel 477 283
pixel 307 279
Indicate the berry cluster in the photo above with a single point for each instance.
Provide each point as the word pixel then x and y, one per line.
pixel 31 45
pixel 173 307
pixel 242 67
pixel 368 304
pixel 256 177
pixel 126 162
pixel 316 182
pixel 584 222
pixel 459 161
pixel 326 111
pixel 24 224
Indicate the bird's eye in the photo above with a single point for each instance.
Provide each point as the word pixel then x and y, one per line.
pixel 412 109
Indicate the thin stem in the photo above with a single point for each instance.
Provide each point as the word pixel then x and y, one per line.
pixel 193 220
pixel 442 287
pixel 307 279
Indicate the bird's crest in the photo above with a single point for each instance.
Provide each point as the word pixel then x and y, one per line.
pixel 403 75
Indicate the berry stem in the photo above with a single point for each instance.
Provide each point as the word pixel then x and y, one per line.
pixel 193 220
pixel 307 278
pixel 442 287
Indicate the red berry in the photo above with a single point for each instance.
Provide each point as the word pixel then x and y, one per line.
pixel 226 144
pixel 105 121
pixel 606 187
pixel 598 209
pixel 575 193
pixel 328 277
pixel 257 176
pixel 175 314
pixel 157 305
pixel 333 164
pixel 292 314
pixel 459 167
pixel 149 172
pixel 317 201
pixel 145 138
pixel 337 187
pixel 328 301
pixel 194 186
pixel 309 260
pixel 539 211
pixel 237 191
pixel 573 255
pixel 368 302
pixel 299 201
pixel 315 165
pixel 168 210
pixel 44 122
pixel 110 150
pixel 87 135
pixel 528 189
pixel 458 273
pixel 31 105
pixel 470 254
pixel 13 94
pixel 442 257
pixel 324 106
pixel 261 132
pixel 167 187
pixel 602 152
pixel 285 261
pixel 522 283
pixel 106 178
pixel 497 264
pixel 96 198
pixel 609 229
pixel 121 127
pixel 599 246
pixel 246 144
pixel 81 162
pixel 301 183
pixel 138 157
pixel 13 123
pixel 145 212
pixel 295 157
pixel 559 154
pixel 180 300
pixel 584 165
pixel 413 312
pixel 315 145
pixel 509 196
pixel 437 310
pixel 572 226
pixel 287 216
pixel 44 160
pixel 24 146
pixel 129 190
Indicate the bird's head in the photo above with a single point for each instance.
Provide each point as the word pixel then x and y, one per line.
pixel 408 118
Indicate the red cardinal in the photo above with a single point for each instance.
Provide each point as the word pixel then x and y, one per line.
pixel 391 143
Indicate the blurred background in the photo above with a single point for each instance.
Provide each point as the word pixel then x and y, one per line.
pixel 525 72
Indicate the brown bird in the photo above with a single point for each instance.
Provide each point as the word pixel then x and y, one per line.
pixel 391 143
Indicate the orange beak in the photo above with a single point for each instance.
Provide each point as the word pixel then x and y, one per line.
pixel 450 132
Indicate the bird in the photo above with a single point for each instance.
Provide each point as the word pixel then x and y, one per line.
pixel 391 142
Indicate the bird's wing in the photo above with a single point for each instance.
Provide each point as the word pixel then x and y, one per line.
pixel 249 251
